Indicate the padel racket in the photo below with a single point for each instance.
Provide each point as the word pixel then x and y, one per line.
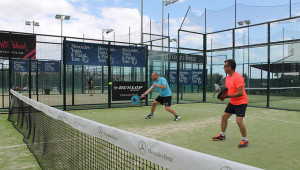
pixel 136 100
pixel 223 94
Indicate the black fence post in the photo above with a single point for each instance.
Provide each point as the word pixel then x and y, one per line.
pixel 82 77
pixel 109 74
pixel 2 75
pixel 37 80
pixel 146 74
pixel 9 71
pixel 29 79
pixel 204 66
pixel 178 65
pixel 64 75
pixel 269 53
pixel 233 44
pixel 102 80
pixel 73 84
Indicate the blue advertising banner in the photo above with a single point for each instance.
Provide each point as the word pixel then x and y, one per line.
pixel 79 53
pixel 43 66
pixel 128 56
pixel 20 66
pixel 187 77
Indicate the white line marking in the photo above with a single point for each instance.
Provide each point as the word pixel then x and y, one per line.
pixel 12 146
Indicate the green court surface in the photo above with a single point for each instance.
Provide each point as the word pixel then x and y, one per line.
pixel 272 134
pixel 13 152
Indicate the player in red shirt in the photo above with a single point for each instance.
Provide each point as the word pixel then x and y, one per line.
pixel 238 102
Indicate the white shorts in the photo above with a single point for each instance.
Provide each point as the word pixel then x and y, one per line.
pixel 217 87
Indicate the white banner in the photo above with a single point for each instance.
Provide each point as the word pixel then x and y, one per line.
pixel 161 153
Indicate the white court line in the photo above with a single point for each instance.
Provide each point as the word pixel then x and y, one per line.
pixel 12 146
pixel 257 117
pixel 265 118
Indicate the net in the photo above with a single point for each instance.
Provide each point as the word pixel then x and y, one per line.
pixel 60 140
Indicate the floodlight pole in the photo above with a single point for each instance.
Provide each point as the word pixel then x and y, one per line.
pixel 33 24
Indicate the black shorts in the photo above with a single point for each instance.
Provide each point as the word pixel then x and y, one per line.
pixel 164 100
pixel 238 110
pixel 90 87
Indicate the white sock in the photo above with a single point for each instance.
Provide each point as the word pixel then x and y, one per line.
pixel 222 133
pixel 245 138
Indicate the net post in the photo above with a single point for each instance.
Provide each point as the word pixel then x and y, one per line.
pixel 269 52
pixel 204 67
pixel 64 75
pixel 178 65
pixel 109 74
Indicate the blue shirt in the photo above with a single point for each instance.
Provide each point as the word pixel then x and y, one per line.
pixel 163 92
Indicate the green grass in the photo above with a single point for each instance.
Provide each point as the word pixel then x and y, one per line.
pixel 272 134
pixel 13 152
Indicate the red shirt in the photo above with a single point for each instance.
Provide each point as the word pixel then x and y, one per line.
pixel 233 83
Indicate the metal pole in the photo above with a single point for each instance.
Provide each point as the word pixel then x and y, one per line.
pixel 146 74
pixel 109 75
pixel 142 13
pixel 169 48
pixel 37 80
pixel 248 82
pixel 282 79
pixel 178 65
pixel 235 14
pixel 129 35
pixel 205 20
pixel 10 69
pixel 268 81
pixel 73 84
pixel 290 8
pixel 29 78
pixel 243 53
pixel 211 65
pixel 233 44
pixel 2 75
pixel 64 78
pixel 102 67
pixel 204 67
pixel 82 72
pixel 162 27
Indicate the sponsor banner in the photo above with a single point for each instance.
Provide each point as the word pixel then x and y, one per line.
pixel 161 153
pixel 125 90
pixel 79 53
pixel 186 58
pixel 43 66
pixel 128 56
pixel 22 46
pixel 187 77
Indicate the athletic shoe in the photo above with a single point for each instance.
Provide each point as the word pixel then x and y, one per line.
pixel 218 138
pixel 243 144
pixel 149 116
pixel 177 118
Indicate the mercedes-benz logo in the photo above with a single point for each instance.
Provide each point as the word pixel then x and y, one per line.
pixel 100 131
pixel 142 147
pixel 225 168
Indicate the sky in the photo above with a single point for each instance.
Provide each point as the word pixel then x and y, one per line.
pixel 89 17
